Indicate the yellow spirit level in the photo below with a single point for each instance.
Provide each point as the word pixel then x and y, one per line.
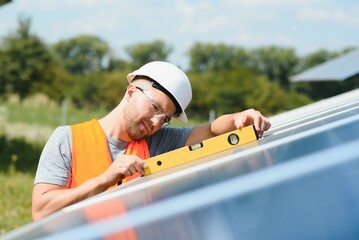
pixel 205 148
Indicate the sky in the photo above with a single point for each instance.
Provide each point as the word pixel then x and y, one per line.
pixel 304 25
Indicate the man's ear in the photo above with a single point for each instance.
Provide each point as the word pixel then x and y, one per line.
pixel 130 89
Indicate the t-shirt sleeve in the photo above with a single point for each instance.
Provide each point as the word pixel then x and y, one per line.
pixel 167 139
pixel 55 161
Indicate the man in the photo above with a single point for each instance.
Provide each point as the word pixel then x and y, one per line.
pixel 85 159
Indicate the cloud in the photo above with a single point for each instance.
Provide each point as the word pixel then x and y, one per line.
pixel 331 15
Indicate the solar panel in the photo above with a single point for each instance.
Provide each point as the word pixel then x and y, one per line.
pixel 298 199
pixel 338 69
pixel 299 181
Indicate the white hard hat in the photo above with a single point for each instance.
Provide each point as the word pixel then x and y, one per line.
pixel 172 79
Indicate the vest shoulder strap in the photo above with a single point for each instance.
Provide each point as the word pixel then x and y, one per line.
pixel 90 153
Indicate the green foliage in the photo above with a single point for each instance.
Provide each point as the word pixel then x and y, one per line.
pixel 325 89
pixel 295 100
pixel 112 88
pixel 115 64
pixel 143 53
pixel 237 90
pixel 58 90
pixel 212 57
pixel 276 63
pixel 83 54
pixel 85 91
pixel 25 62
pixel 98 90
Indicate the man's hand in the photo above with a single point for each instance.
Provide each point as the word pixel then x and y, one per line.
pixel 252 117
pixel 124 166
pixel 227 123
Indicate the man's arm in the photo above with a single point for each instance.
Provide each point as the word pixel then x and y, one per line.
pixel 48 198
pixel 227 123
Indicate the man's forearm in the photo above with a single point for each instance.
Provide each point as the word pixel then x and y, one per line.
pixel 48 198
pixel 223 124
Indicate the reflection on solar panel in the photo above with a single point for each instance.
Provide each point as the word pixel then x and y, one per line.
pixel 298 182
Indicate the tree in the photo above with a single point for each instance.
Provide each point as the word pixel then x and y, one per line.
pixel 83 54
pixel 235 90
pixel 143 53
pixel 116 64
pixel 212 57
pixel 112 88
pixel 25 63
pixel 276 63
pixel 84 91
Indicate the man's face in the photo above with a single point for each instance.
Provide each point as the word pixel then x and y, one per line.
pixel 147 110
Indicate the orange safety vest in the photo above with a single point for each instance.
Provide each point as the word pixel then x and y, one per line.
pixel 90 153
pixel 140 149
pixel 90 158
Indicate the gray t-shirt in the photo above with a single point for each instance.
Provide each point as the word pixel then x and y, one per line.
pixel 55 160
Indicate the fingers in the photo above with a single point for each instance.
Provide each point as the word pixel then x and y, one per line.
pixel 124 166
pixel 253 117
pixel 130 164
pixel 261 124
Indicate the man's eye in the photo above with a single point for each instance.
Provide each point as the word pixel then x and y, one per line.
pixel 156 108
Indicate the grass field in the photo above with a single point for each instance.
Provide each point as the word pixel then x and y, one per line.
pixel 15 201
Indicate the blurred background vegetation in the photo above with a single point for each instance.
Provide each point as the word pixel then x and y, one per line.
pixel 81 78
